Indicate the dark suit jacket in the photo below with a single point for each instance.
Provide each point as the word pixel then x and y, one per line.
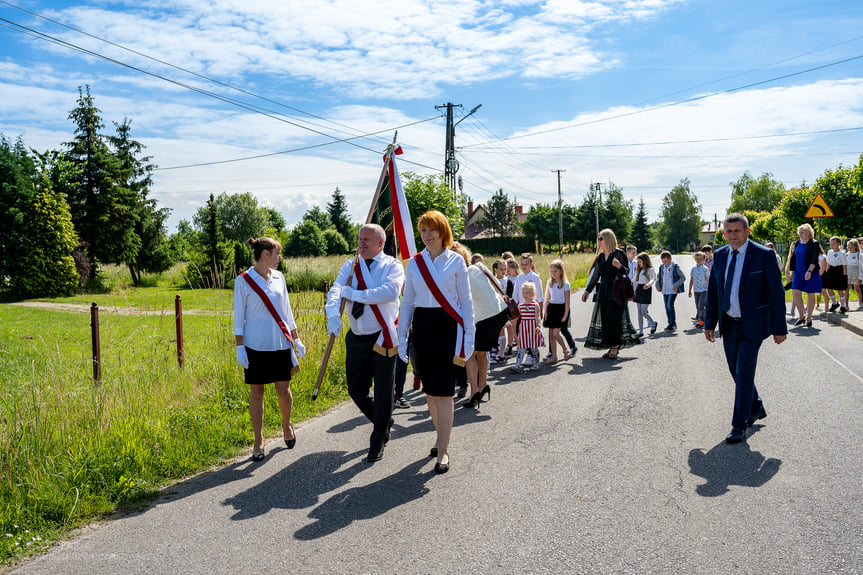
pixel 761 294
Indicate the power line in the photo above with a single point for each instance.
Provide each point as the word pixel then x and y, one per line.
pixel 256 109
pixel 180 68
pixel 701 141
pixel 267 155
pixel 671 104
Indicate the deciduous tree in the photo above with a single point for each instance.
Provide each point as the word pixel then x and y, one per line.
pixel 681 218
pixel 761 195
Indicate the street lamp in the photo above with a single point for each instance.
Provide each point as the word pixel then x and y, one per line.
pixel 597 187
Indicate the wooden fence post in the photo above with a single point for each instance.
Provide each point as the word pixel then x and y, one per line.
pixel 178 314
pixel 94 333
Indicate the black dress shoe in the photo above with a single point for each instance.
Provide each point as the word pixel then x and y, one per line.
pixel 737 435
pixel 433 452
pixel 800 321
pixel 441 468
pixel 760 414
pixel 375 454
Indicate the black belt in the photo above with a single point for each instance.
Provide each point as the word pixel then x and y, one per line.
pixel 734 319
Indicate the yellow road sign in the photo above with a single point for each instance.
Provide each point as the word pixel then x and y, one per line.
pixel 818 208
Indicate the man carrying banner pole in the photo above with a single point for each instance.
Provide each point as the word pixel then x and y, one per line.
pixel 371 307
pixel 371 343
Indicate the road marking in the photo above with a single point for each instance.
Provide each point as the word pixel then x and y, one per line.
pixel 842 365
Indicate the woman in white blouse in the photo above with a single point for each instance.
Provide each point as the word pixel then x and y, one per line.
pixel 437 339
pixel 262 347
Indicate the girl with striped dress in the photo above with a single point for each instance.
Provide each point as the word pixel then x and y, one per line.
pixel 529 333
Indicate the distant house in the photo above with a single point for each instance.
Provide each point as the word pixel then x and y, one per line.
pixel 472 228
pixel 708 232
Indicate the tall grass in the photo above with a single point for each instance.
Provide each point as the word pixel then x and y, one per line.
pixel 71 450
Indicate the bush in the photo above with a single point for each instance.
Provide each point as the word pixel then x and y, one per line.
pixel 306 239
pixel 336 243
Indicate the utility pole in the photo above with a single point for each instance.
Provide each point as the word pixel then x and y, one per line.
pixel 597 187
pixel 559 214
pixel 450 164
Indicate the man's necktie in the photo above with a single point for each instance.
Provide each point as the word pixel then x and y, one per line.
pixel 729 282
pixel 358 308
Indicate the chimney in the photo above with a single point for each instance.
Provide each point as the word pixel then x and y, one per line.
pixel 518 210
pixel 469 209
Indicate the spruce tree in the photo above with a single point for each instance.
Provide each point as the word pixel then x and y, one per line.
pixel 640 236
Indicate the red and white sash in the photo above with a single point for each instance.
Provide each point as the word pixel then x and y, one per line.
pixel 433 281
pixel 384 345
pixel 276 316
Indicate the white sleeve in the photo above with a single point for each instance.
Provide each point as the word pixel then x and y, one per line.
pixel 539 297
pixel 334 296
pixel 408 302
pixel 289 315
pixel 239 306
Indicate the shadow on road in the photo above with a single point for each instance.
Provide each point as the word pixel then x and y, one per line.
pixel 726 465
pixel 298 485
pixel 599 364
pixel 367 501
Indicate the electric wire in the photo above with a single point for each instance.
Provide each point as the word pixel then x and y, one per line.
pixel 677 103
pixel 256 109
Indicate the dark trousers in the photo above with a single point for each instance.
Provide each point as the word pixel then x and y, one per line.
pixel 742 357
pixel 364 364
pixel 564 331
pixel 669 307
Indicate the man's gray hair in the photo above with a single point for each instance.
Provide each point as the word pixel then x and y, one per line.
pixel 379 231
pixel 737 217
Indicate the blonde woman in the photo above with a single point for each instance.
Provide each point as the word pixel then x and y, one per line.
pixel 610 326
pixel 804 267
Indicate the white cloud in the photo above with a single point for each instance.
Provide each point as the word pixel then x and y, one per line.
pixel 389 48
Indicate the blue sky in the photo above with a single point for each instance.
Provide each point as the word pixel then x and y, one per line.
pixel 641 93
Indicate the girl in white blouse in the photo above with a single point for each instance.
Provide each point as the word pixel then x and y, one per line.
pixel 437 338
pixel 262 348
pixel 644 278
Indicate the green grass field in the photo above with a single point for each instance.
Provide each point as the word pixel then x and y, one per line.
pixel 72 450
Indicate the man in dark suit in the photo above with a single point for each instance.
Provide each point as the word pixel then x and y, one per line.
pixel 745 295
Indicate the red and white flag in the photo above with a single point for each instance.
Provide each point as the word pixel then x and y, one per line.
pixel 391 207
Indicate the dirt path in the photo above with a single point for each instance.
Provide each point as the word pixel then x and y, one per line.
pixel 112 309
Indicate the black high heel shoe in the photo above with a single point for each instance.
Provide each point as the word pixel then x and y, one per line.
pixel 486 391
pixel 473 401
pixel 290 443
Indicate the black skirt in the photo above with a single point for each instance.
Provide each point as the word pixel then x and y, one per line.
pixel 433 337
pixel 835 279
pixel 643 295
pixel 268 366
pixel 488 331
pixel 555 316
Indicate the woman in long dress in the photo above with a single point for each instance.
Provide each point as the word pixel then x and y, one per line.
pixel 610 326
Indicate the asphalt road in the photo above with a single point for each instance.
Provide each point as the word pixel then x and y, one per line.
pixel 591 466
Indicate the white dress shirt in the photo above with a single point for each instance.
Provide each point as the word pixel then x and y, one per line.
pixel 252 319
pixel 384 283
pixel 454 281
pixel 736 274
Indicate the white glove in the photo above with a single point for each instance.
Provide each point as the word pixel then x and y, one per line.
pixel 242 356
pixel 468 345
pixel 299 348
pixel 347 292
pixel 334 325
pixel 403 349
